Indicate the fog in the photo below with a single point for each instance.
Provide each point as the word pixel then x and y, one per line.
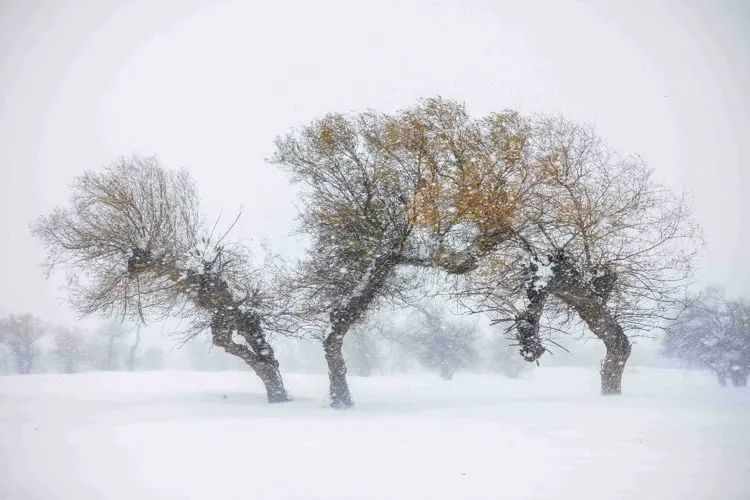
pixel 208 87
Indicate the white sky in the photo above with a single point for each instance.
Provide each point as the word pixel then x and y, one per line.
pixel 208 86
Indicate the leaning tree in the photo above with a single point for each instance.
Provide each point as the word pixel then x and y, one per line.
pixel 595 236
pixel 133 243
pixel 357 208
pixel 375 204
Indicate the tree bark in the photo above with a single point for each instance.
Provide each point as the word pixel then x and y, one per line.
pixel 602 324
pixel 333 345
pixel 211 293
pixel 527 325
pixel 613 365
pixel 350 310
pixel 255 352
pixel 271 378
pixel 599 318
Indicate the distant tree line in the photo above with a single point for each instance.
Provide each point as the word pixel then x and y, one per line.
pixel 520 217
pixel 28 344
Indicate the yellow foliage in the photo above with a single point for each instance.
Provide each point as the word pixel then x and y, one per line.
pixel 426 204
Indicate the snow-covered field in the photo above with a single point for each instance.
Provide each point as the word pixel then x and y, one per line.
pixel 210 435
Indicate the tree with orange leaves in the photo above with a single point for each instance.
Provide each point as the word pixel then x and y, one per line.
pixel 426 186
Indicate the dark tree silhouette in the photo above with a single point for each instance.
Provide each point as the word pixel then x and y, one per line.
pixel 133 243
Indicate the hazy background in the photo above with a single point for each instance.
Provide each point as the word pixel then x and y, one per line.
pixel 207 86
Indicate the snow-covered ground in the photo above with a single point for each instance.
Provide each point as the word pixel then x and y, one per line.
pixel 210 435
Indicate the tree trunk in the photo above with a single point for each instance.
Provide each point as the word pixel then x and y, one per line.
pixel 264 361
pixel 255 351
pixel 271 378
pixel 109 360
pixel 350 310
pixel 267 370
pixel 134 348
pixel 341 398
pixel 613 365
pixel 211 293
pixel 527 325
pixel 445 372
pixel 605 326
pixel 739 378
pixel 722 378
pixel 24 362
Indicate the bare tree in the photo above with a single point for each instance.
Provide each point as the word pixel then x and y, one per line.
pixel 595 236
pixel 134 244
pixel 70 349
pixel 714 333
pixel 441 344
pixel 20 335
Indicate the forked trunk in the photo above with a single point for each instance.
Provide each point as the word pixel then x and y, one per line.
pixel 341 398
pixel 260 357
pixel 210 292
